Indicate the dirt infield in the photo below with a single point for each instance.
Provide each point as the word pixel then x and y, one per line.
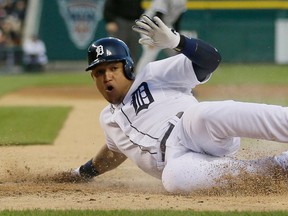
pixel 27 172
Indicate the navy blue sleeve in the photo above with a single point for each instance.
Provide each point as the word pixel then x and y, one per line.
pixel 205 58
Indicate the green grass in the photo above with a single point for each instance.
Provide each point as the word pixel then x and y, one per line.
pixel 34 125
pixel 31 125
pixel 231 74
pixel 226 74
pixel 136 212
pixel 9 83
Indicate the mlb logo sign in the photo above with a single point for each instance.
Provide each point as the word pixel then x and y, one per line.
pixel 81 18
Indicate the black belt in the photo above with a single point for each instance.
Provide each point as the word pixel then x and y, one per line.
pixel 166 136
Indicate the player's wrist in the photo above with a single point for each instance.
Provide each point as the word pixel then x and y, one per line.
pixel 88 170
pixel 174 39
pixel 186 45
pixel 181 44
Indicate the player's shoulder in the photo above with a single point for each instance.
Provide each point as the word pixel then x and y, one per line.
pixel 159 67
pixel 106 112
pixel 170 60
pixel 162 65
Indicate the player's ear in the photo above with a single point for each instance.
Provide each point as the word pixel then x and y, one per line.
pixel 92 75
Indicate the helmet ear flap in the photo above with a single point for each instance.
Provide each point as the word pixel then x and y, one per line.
pixel 129 69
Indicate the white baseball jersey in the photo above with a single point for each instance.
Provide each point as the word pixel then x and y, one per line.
pixel 158 93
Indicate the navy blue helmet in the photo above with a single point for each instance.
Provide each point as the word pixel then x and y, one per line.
pixel 111 49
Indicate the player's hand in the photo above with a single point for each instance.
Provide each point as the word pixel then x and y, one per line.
pixel 71 176
pixel 156 33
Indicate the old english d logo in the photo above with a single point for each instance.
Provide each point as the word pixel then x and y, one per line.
pixel 99 51
pixel 81 18
pixel 142 98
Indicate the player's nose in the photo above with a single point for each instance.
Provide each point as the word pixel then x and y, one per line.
pixel 108 75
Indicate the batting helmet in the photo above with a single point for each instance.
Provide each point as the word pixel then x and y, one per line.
pixel 111 49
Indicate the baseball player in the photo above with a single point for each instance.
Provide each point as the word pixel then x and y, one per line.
pixel 154 120
pixel 171 13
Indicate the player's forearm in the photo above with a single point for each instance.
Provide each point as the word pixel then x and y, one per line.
pixel 104 161
pixel 107 160
pixel 205 58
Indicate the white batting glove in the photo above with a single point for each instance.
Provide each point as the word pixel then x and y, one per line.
pixel 157 33
pixel 76 172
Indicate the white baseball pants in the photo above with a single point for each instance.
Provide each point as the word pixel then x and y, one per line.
pixel 209 131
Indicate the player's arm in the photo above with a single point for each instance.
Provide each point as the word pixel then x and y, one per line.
pixel 205 58
pixel 104 161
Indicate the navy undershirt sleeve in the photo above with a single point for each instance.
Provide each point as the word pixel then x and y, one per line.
pixel 205 58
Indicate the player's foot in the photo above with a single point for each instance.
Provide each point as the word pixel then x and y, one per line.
pixel 282 160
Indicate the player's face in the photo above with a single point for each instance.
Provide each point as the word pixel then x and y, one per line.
pixel 111 81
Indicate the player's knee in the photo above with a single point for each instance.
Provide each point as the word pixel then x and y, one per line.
pixel 172 182
pixel 177 179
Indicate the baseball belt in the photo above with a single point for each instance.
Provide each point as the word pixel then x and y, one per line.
pixel 166 136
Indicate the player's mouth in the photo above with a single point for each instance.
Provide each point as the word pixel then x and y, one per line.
pixel 109 88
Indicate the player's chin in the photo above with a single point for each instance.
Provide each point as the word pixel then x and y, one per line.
pixel 113 99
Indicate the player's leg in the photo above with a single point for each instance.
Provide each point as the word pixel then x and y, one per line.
pixel 213 127
pixel 193 171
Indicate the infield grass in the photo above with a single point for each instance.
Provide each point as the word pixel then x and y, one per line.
pixel 10 83
pixel 31 125
pixel 34 125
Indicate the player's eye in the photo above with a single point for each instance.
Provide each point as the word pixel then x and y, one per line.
pixel 97 73
pixel 114 68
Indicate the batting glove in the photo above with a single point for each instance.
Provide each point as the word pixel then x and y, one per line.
pixel 156 33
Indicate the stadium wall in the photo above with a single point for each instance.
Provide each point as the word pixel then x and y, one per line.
pixel 243 31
